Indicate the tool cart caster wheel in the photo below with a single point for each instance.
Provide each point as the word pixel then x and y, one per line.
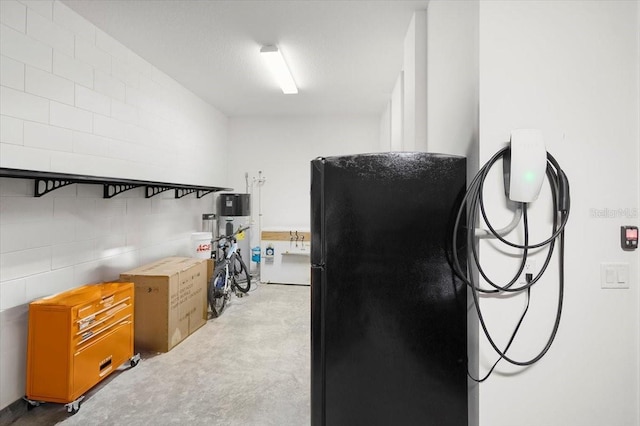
pixel 134 360
pixel 31 404
pixel 74 407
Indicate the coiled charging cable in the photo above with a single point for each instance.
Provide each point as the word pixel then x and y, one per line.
pixel 473 202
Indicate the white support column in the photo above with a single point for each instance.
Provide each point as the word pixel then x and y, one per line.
pixel 415 84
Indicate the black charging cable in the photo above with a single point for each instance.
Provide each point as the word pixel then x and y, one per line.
pixel 473 203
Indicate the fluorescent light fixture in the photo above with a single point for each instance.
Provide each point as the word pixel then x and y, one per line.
pixel 279 69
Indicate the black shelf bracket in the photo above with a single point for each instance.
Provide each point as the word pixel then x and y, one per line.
pixel 44 186
pixel 203 192
pixel 152 190
pixel 111 190
pixel 181 192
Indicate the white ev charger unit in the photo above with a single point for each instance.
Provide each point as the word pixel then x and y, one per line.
pixel 528 158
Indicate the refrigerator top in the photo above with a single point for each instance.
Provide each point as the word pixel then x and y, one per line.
pixel 398 154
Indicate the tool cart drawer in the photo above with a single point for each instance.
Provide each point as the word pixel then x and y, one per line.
pixel 88 328
pixel 102 355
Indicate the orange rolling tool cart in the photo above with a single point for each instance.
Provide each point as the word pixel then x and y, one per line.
pixel 76 339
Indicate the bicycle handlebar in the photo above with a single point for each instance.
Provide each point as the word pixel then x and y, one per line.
pixel 221 237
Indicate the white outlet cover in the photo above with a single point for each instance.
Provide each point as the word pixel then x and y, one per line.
pixel 614 275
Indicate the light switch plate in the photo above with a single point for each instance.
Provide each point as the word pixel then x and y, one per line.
pixel 614 275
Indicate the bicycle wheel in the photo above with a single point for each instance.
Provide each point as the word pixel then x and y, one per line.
pixel 215 293
pixel 241 277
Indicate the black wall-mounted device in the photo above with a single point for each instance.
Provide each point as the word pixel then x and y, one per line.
pixel 629 237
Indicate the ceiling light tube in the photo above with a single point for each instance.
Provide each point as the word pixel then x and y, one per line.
pixel 279 69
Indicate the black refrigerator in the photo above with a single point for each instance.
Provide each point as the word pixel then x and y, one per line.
pixel 388 316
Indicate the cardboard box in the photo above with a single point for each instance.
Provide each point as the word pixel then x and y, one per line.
pixel 171 301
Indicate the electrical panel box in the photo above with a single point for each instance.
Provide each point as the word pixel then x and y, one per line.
pixel 76 339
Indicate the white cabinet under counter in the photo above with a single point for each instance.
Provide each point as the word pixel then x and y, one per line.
pixel 285 256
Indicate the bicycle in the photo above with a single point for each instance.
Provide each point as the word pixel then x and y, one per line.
pixel 231 275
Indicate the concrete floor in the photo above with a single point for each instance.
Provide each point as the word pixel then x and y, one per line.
pixel 248 367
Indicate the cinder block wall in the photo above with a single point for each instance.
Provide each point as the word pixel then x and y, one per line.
pixel 73 99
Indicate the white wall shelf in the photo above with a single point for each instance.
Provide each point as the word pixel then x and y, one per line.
pixel 45 182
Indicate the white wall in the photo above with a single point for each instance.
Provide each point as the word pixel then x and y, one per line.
pixel 415 84
pixel 452 88
pixel 408 100
pixel 385 128
pixel 282 148
pixel 397 115
pixel 570 69
pixel 75 100
pixel 452 113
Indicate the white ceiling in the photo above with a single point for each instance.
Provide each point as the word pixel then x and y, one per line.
pixel 345 55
